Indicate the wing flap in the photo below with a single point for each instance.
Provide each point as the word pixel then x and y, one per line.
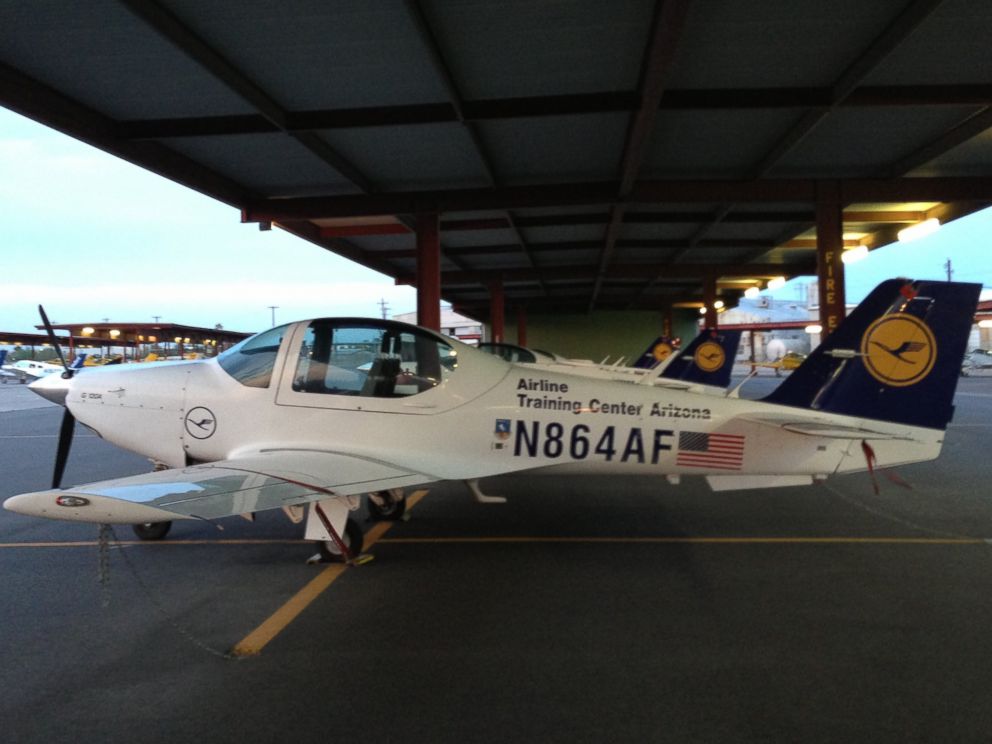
pixel 265 480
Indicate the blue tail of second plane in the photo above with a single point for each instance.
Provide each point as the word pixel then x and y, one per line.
pixel 658 352
pixel 896 358
pixel 707 360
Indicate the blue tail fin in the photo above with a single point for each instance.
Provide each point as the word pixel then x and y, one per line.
pixel 658 351
pixel 3 356
pixel 707 360
pixel 896 358
pixel 77 363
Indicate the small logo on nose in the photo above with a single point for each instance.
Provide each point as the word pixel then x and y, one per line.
pixel 200 423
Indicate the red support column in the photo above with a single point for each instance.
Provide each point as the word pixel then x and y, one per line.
pixel 709 297
pixel 829 249
pixel 666 322
pixel 496 310
pixel 521 325
pixel 428 272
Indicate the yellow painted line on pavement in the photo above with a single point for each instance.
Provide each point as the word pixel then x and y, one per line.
pixel 691 540
pixel 253 643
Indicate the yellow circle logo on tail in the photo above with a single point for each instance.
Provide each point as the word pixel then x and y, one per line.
pixel 899 350
pixel 661 351
pixel 709 356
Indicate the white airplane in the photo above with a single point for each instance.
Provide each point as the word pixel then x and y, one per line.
pixel 975 360
pixel 27 370
pixel 283 420
pixel 703 366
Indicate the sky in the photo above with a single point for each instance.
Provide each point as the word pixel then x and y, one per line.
pixel 90 236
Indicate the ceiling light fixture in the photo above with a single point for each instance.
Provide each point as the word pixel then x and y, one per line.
pixel 853 255
pixel 919 230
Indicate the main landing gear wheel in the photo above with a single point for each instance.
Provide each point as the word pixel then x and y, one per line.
pixel 152 530
pixel 353 539
pixel 387 505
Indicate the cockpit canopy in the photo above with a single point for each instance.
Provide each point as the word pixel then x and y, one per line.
pixel 251 362
pixel 514 353
pixel 354 357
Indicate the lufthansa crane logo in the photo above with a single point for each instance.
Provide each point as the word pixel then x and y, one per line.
pixel 899 350
pixel 709 356
pixel 200 423
pixel 661 351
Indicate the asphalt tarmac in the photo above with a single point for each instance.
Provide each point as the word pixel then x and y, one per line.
pixel 584 610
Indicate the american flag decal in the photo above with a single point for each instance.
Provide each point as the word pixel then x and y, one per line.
pixel 722 451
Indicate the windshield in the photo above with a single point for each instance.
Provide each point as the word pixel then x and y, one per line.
pixel 251 362
pixel 368 359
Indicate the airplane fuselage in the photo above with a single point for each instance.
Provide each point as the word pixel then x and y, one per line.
pixel 488 416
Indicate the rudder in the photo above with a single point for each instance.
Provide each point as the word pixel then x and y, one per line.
pixel 707 360
pixel 896 358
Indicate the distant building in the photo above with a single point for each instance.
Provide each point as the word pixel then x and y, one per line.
pixel 456 326
pixel 771 343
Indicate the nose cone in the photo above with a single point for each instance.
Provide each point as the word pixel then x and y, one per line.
pixel 26 504
pixel 52 387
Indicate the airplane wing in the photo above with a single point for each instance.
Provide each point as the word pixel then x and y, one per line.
pixel 263 480
pixel 816 427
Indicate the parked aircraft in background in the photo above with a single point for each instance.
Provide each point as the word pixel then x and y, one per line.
pixel 705 365
pixel 659 351
pixel 790 360
pixel 27 370
pixel 289 419
pixel 975 360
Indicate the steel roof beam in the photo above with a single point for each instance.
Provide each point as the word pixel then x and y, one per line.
pixel 659 56
pixel 443 70
pixel 183 38
pixel 881 47
pixel 775 190
pixel 619 271
pixel 555 105
pixel 845 86
pixel 582 245
pixel 974 125
pixel 32 99
pixel 629 218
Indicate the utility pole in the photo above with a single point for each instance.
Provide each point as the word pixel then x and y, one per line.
pixel 273 308
pixel 947 265
pixel 156 318
pixel 384 306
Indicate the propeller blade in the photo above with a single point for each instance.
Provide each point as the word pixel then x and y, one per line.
pixel 54 341
pixel 65 442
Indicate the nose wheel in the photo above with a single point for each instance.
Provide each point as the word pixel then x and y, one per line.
pixel 387 505
pixel 152 530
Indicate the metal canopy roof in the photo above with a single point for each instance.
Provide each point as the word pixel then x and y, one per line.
pixel 591 155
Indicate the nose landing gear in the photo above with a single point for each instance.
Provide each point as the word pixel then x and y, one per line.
pixel 152 530
pixel 387 505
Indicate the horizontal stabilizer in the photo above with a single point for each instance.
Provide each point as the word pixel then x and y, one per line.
pixel 818 428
